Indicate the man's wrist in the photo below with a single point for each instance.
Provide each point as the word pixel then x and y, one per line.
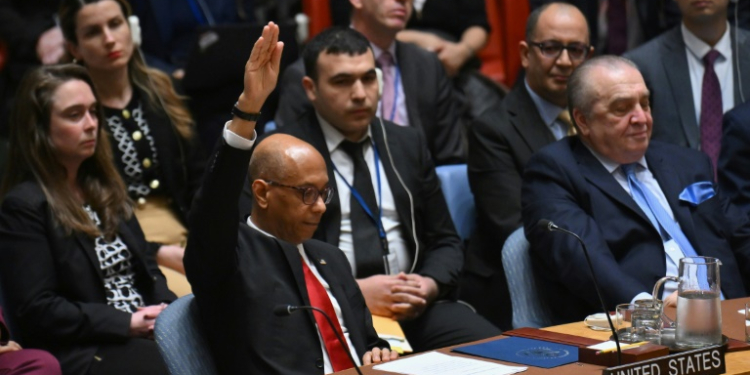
pixel 249 105
pixel 247 116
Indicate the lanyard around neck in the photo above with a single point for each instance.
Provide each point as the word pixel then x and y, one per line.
pixel 379 220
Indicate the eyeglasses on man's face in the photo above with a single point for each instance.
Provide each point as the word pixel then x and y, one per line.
pixel 553 49
pixel 309 194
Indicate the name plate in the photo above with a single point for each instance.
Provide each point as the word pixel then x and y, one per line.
pixel 704 361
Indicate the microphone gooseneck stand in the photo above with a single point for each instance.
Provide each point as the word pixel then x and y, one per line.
pixel 552 227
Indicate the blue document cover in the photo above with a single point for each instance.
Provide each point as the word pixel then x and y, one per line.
pixel 530 352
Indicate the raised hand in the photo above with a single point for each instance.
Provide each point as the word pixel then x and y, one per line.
pixel 262 69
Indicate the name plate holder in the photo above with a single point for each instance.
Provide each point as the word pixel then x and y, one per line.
pixel 703 361
pixel 590 356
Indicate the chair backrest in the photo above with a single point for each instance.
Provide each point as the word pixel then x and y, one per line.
pixel 528 308
pixel 181 340
pixel 454 180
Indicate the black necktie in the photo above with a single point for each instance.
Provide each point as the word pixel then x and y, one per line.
pixel 368 253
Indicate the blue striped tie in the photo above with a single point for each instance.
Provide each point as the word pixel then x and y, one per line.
pixel 654 210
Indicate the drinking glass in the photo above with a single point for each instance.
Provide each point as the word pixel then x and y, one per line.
pixel 636 323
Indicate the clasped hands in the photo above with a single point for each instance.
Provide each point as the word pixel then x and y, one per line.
pixel 399 297
pixel 142 321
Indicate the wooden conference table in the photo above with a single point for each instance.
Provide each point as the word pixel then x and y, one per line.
pixel 737 363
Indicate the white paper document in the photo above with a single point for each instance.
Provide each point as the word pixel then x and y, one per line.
pixel 434 363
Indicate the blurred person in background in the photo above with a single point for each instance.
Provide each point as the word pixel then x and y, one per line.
pixel 151 131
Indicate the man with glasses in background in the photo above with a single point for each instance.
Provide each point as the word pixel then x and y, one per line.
pixel 503 139
pixel 389 215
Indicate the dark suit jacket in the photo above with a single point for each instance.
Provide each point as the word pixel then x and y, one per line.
pixel 429 101
pixel 239 275
pixel 181 161
pixel 734 159
pixel 565 183
pixel 664 66
pixel 436 247
pixel 53 282
pixel 501 141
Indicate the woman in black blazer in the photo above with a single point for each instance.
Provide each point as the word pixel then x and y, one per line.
pixel 79 277
pixel 151 131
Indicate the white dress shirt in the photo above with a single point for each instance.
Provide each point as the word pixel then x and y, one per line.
pixel 236 141
pixel 403 114
pixel 672 251
pixel 399 258
pixel 695 50
pixel 549 113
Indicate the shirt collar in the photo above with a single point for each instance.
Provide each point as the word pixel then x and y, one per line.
pixel 250 223
pixel 547 110
pixel 333 136
pixel 610 165
pixel 377 51
pixel 700 48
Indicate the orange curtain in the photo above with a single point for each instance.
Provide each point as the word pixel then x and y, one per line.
pixel 319 12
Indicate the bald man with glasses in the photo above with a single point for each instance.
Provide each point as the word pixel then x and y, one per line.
pixel 242 271
pixel 503 139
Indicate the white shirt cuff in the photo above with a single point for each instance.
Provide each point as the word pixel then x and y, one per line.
pixel 237 141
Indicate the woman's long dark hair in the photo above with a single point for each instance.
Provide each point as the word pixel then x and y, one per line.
pixel 33 157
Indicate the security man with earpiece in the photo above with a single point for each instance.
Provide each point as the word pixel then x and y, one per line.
pixel 389 215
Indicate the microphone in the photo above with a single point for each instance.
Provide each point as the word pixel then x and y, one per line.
pixel 552 227
pixel 286 310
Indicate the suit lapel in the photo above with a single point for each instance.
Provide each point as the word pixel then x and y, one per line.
pixel 743 43
pixel 526 119
pixel 317 255
pixel 87 245
pixel 678 77
pixel 410 85
pixel 294 259
pixel 329 228
pixel 596 174
pixel 671 185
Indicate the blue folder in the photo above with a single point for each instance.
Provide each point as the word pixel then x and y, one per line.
pixel 529 352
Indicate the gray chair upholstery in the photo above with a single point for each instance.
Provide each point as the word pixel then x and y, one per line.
pixel 454 180
pixel 181 341
pixel 528 309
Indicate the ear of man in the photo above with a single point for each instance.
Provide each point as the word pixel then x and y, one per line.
pixel 581 121
pixel 260 193
pixel 523 49
pixel 310 90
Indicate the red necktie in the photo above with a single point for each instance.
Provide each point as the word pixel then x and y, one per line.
pixel 319 298
pixel 711 109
